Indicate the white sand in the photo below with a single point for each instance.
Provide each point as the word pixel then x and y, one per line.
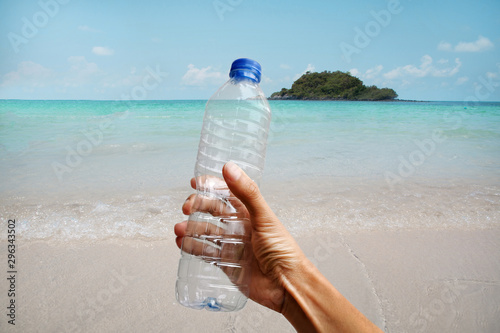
pixel 405 281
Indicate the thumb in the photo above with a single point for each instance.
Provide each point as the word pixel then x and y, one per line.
pixel 246 190
pixel 274 247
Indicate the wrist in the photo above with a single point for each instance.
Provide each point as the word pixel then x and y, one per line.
pixel 305 291
pixel 312 304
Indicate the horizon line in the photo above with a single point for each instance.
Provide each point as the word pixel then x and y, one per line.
pixel 206 99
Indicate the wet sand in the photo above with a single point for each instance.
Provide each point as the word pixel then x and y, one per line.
pixel 404 280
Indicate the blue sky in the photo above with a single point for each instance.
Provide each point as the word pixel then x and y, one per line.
pixel 76 49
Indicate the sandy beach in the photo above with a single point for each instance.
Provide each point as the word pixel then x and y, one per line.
pixel 404 281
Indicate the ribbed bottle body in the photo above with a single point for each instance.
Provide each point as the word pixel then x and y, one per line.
pixel 214 268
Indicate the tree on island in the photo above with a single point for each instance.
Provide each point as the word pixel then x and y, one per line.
pixel 333 86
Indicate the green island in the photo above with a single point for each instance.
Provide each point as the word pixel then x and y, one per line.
pixel 333 86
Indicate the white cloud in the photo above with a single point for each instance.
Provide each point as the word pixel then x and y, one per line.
pixel 354 72
pixel 78 76
pixel 102 51
pixel 426 68
pixel 373 72
pixel 309 68
pixel 284 66
pixel 265 79
pixel 201 77
pixel 461 80
pixel 491 75
pixel 87 28
pixel 80 72
pixel 28 74
pixel 134 78
pixel 80 65
pixel 444 46
pixel 481 44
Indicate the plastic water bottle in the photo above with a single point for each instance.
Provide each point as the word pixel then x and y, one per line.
pixel 214 269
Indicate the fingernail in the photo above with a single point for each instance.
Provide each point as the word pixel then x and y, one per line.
pixel 233 171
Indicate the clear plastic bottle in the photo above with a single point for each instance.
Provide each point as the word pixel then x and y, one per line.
pixel 214 269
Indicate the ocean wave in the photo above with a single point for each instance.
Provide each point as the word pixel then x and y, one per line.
pixel 134 218
pixel 305 207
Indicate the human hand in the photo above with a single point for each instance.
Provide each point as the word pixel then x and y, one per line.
pixel 282 278
pixel 275 251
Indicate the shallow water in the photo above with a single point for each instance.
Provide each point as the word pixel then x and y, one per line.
pixel 101 169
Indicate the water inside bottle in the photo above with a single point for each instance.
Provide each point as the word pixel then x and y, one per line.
pixel 212 270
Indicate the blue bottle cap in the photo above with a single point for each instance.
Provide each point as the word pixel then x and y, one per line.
pixel 246 68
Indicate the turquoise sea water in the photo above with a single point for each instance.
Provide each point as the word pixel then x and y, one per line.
pixel 66 164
